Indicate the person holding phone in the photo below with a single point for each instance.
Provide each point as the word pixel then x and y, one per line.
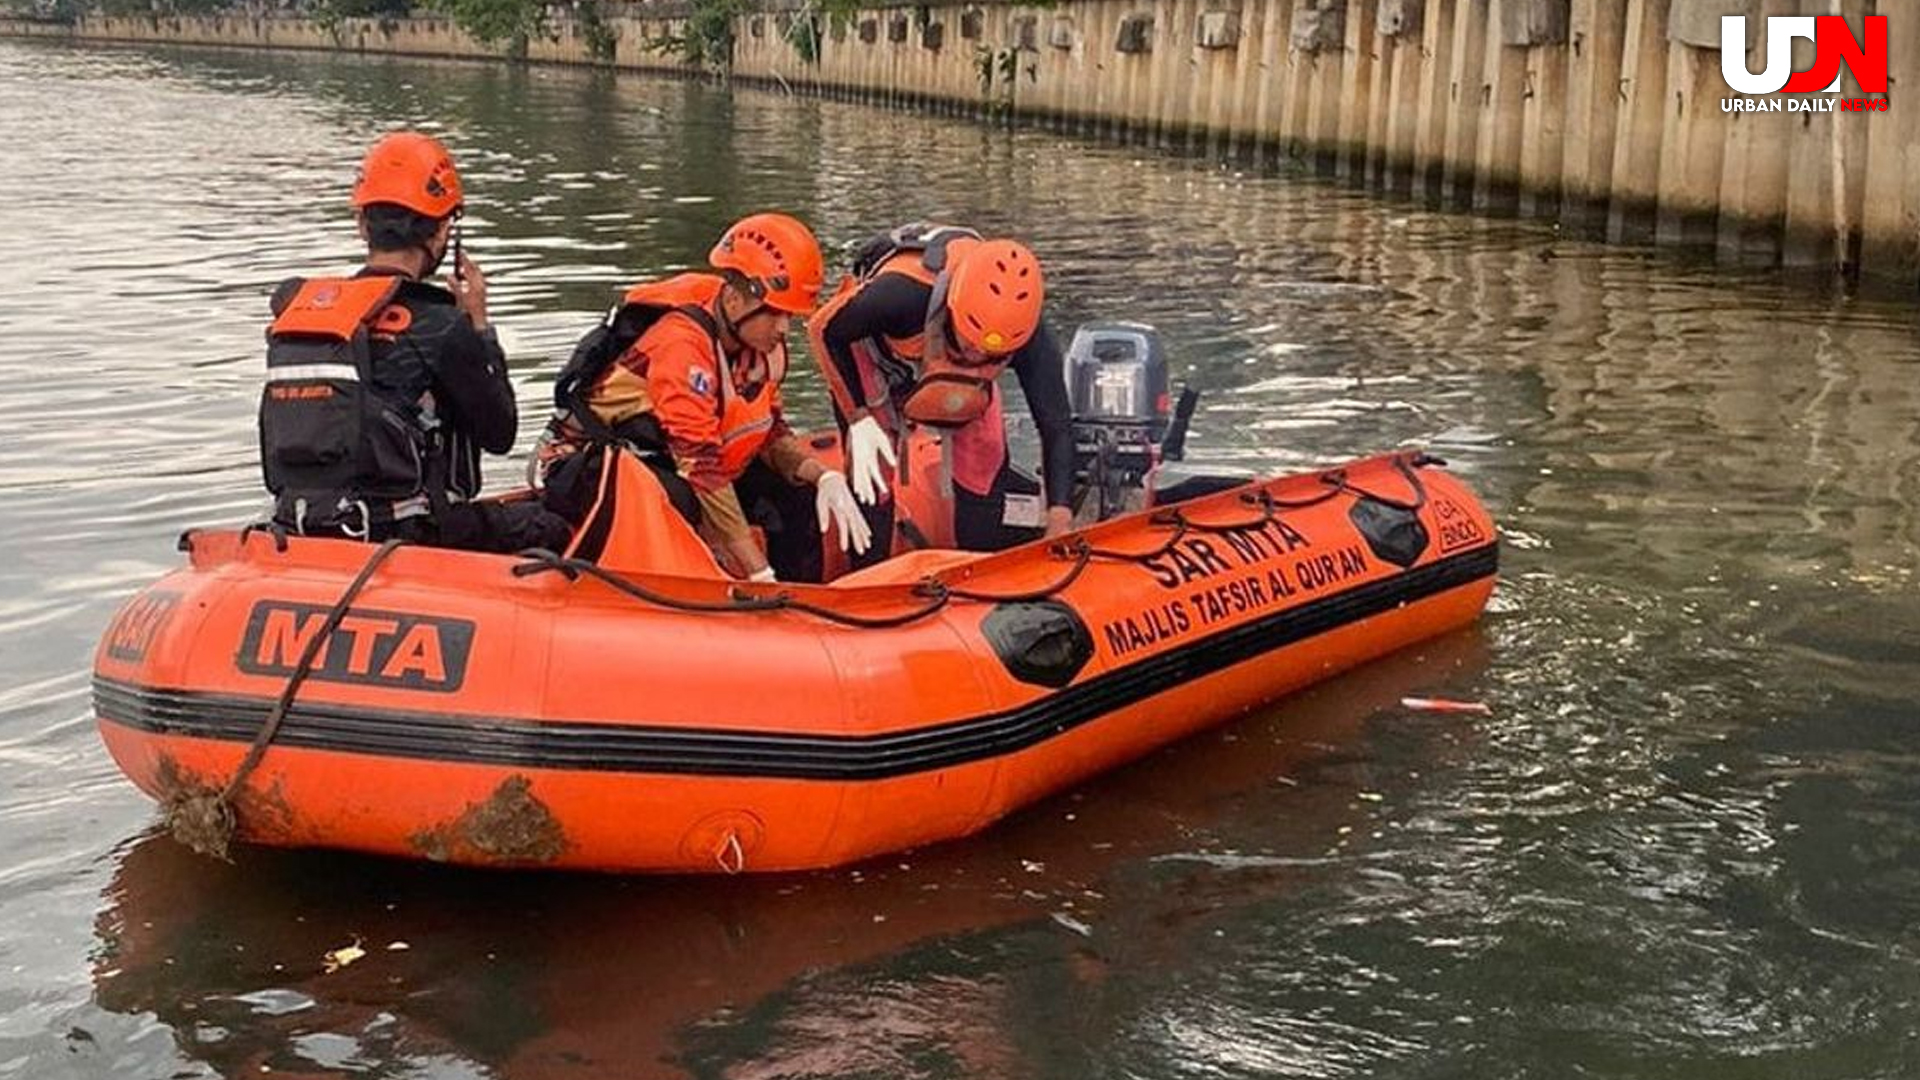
pixel 383 388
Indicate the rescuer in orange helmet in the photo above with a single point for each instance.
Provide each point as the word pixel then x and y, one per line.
pixel 382 389
pixel 686 372
pixel 917 334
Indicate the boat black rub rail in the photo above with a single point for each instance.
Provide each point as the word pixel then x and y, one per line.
pixel 636 748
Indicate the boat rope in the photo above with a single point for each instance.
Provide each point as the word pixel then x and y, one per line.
pixel 1078 550
pixel 938 593
pixel 204 820
pixel 738 600
pixel 1405 464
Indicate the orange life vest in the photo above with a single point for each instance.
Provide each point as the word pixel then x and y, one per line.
pixel 745 421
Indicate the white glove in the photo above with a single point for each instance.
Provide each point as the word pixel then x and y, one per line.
pixel 833 504
pixel 866 445
pixel 765 573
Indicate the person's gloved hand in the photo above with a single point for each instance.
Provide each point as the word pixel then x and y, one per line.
pixel 765 573
pixel 833 504
pixel 867 444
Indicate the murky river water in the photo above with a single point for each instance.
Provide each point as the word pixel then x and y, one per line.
pixel 1685 844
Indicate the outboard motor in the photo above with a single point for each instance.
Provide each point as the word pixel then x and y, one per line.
pixel 1122 414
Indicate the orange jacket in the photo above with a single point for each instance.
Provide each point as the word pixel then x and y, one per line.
pixel 717 412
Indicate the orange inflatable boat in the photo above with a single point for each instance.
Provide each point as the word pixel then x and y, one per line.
pixel 551 712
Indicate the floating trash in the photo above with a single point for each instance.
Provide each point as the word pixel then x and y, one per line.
pixel 1445 705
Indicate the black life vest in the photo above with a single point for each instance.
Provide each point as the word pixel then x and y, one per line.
pixel 925 239
pixel 341 452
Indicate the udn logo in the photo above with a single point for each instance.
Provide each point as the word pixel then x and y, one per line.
pixel 1833 43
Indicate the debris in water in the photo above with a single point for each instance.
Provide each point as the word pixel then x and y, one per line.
pixel 1073 924
pixel 344 955
pixel 1445 705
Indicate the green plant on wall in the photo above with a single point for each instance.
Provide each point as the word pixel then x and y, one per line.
pixel 65 11
pixel 997 67
pixel 165 7
pixel 496 22
pixel 807 35
pixel 602 39
pixel 804 36
pixel 332 14
pixel 362 9
pixel 706 36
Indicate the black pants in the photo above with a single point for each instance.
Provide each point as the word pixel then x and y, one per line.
pixel 501 528
pixel 494 527
pixel 783 511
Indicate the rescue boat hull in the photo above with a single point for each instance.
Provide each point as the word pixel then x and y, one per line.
pixel 467 713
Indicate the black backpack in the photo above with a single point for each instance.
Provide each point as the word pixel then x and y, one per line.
pixel 928 239
pixel 597 350
pixel 327 435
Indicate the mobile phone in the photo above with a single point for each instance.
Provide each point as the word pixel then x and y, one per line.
pixel 459 272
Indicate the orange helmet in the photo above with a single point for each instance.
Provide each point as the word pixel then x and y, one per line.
pixel 412 170
pixel 779 255
pixel 994 293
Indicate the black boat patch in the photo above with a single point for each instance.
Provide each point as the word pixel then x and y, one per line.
pixel 370 648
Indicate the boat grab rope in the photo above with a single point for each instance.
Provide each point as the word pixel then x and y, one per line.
pixel 937 594
pixel 738 600
pixel 1405 464
pixel 204 819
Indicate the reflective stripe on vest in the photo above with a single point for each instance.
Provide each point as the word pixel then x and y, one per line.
pixel 305 372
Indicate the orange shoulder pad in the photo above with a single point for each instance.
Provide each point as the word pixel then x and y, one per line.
pixel 681 290
pixel 335 307
pixel 909 264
